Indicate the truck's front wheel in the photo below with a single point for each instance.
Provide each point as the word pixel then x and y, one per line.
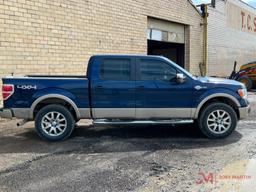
pixel 218 120
pixel 54 123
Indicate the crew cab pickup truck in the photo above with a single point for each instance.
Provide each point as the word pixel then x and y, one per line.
pixel 125 89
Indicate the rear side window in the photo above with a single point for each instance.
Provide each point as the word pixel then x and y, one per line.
pixel 156 70
pixel 115 69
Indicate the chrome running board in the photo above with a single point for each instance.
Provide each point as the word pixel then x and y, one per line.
pixel 140 122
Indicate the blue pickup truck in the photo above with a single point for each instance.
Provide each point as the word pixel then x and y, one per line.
pixel 125 89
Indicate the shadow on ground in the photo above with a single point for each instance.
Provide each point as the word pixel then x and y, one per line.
pixel 91 139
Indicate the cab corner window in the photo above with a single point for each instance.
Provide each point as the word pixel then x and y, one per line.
pixel 156 70
pixel 115 69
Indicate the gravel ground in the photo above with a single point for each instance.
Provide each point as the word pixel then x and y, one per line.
pixel 125 158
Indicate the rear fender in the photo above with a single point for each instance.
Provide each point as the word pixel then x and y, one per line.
pixel 53 93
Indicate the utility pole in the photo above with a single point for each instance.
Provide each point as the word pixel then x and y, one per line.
pixel 205 14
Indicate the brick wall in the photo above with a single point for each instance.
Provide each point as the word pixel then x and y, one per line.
pixel 59 36
pixel 227 44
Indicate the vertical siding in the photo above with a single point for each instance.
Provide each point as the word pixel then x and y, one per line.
pixel 227 44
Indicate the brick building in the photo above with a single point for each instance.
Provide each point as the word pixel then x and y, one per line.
pixel 231 36
pixel 59 36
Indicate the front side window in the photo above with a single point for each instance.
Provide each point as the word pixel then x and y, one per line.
pixel 115 69
pixel 156 70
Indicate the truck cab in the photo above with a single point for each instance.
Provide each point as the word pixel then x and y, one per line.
pixel 126 89
pixel 140 88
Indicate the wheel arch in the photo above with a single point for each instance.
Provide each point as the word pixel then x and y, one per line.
pixel 53 99
pixel 218 97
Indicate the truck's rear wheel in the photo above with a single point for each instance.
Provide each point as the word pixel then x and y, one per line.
pixel 218 120
pixel 54 123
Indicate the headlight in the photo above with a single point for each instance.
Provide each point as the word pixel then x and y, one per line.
pixel 242 93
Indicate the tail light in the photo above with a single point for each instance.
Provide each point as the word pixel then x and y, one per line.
pixel 7 91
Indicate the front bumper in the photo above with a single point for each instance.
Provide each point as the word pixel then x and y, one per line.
pixel 6 113
pixel 244 112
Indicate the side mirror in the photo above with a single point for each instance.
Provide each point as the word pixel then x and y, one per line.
pixel 180 78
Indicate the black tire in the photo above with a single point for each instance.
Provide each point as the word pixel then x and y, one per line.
pixel 246 81
pixel 56 109
pixel 212 109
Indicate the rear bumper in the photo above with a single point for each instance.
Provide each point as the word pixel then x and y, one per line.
pixel 244 112
pixel 19 113
pixel 6 113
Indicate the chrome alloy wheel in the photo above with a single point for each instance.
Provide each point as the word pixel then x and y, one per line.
pixel 219 121
pixel 54 123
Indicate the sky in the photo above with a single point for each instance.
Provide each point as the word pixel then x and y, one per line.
pixel 251 2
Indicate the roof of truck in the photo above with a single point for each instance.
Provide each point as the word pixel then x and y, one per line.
pixel 128 55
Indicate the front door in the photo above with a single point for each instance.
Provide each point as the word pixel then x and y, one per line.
pixel 158 95
pixel 113 91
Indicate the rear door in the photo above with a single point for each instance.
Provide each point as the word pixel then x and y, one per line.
pixel 158 95
pixel 113 89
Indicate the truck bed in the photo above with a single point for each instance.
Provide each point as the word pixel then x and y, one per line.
pixel 56 76
pixel 29 88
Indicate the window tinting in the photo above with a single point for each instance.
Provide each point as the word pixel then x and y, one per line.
pixel 115 69
pixel 156 70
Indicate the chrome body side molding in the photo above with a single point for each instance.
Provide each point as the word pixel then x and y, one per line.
pixel 113 113
pixel 25 113
pixel 163 113
pixel 85 113
pixel 142 113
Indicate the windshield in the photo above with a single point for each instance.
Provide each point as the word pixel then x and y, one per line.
pixel 180 68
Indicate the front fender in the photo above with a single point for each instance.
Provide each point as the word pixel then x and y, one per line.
pixel 226 93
